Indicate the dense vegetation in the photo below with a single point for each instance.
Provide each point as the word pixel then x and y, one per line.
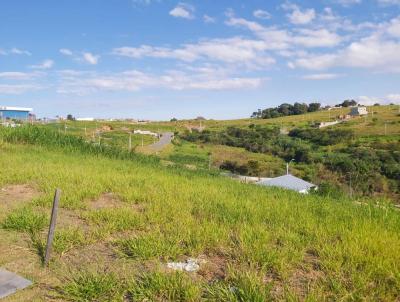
pixel 256 244
pixel 286 109
pixel 366 169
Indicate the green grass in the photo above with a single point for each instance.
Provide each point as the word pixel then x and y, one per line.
pixel 272 243
pixel 25 220
pixel 90 286
pixel 163 287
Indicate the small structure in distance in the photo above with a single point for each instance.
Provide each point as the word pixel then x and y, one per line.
pixel 15 113
pixel 145 132
pixel 289 182
pixel 358 111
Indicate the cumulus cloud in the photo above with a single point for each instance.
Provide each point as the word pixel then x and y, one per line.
pixel 18 88
pixel 393 28
pixel 90 58
pixel 373 52
pixel 17 51
pixel 279 39
pixel 208 19
pixel 322 76
pixel 16 75
pixel 183 10
pixel 262 14
pixel 82 83
pixel 66 51
pixel 371 100
pixel 46 64
pixel 233 50
pixel 297 15
pixel 348 3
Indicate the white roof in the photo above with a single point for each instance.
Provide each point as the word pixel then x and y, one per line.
pixel 288 182
pixel 4 108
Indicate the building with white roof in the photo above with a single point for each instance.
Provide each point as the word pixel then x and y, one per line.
pixel 289 182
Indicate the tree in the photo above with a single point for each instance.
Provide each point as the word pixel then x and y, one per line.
pixel 312 107
pixel 174 119
pixel 348 103
pixel 70 117
pixel 300 108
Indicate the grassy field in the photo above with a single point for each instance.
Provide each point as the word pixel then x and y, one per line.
pixel 123 217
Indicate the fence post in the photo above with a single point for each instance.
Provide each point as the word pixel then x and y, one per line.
pixel 52 227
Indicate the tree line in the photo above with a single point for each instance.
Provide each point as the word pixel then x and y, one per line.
pixel 286 109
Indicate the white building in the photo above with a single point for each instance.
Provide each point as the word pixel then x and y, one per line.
pixel 289 182
pixel 145 132
pixel 358 111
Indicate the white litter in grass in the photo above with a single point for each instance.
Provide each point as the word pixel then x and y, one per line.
pixel 191 265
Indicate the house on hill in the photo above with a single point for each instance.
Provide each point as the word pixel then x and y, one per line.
pixel 289 182
pixel 358 111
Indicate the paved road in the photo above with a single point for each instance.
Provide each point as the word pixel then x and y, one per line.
pixel 165 139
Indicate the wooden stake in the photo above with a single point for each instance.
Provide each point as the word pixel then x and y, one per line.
pixel 52 227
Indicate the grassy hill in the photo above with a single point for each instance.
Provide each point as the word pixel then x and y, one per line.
pixel 124 216
pixel 375 134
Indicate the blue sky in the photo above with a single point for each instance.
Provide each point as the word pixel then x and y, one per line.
pixel 158 59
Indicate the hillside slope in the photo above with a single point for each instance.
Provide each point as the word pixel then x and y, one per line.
pixel 122 220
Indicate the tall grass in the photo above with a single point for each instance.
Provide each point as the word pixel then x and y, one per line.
pixel 48 137
pixel 271 239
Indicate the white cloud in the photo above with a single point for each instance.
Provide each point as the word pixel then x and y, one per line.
pixel 393 98
pixel 17 51
pixel 371 100
pixel 278 39
pixel 15 75
pixel 207 78
pixel 46 64
pixel 208 19
pixel 66 52
pixel 3 52
pixel 316 38
pixel 298 16
pixel 183 10
pixel 393 28
pixel 261 14
pixel 348 3
pixel 233 50
pixel 322 76
pixel 91 58
pixel 377 51
pixel 18 89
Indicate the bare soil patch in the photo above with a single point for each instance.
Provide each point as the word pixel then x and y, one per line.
pixel 212 267
pixel 106 200
pixel 67 218
pixel 13 195
pixel 301 280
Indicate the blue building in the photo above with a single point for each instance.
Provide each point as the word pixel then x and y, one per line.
pixel 15 113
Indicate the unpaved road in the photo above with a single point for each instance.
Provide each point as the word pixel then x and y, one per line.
pixel 165 139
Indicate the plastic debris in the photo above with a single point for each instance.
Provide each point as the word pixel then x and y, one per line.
pixel 191 265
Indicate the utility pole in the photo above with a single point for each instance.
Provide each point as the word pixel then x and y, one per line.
pixel 130 141
pixel 351 190
pixel 287 166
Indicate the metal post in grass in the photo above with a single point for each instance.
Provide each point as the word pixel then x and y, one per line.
pixel 52 227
